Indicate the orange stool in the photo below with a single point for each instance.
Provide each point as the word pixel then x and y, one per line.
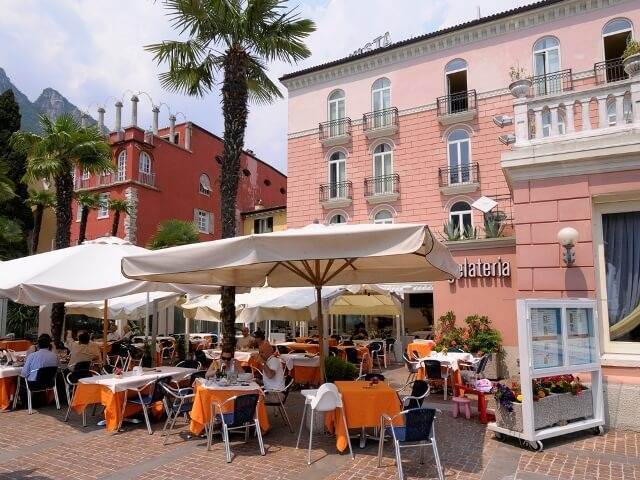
pixel 462 403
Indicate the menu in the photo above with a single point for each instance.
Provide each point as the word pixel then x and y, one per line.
pixel 580 336
pixel 546 337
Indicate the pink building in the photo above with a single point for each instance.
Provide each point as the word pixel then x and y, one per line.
pixel 427 130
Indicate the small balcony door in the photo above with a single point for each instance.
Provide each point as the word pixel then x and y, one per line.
pixel 459 157
pixel 546 62
pixel 383 169
pixel 337 112
pixel 456 78
pixel 615 36
pixel 381 102
pixel 338 175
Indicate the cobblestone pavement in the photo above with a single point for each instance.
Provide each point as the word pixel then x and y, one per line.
pixel 42 446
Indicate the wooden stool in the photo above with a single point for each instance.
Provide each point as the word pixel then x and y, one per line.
pixel 462 403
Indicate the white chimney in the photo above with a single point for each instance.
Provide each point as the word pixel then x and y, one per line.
pixel 118 116
pixel 156 111
pixel 100 119
pixel 172 128
pixel 187 136
pixel 134 111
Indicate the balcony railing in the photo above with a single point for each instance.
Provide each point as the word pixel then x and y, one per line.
pixel 380 119
pixel 610 71
pixel 552 83
pixel 147 178
pixel 335 129
pixel 336 191
pixel 457 103
pixel 386 185
pixel 106 179
pixel 459 175
pixel 81 183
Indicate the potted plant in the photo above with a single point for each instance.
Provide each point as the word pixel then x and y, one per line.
pixel 481 339
pixel 147 355
pixel 631 58
pixel 520 85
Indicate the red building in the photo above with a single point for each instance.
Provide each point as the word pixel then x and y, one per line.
pixel 165 178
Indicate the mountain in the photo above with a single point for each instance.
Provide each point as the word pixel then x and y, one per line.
pixel 50 102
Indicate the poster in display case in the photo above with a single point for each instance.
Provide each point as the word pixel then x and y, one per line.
pixel 580 336
pixel 546 338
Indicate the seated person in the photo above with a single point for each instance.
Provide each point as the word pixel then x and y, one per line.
pixel 245 342
pixel 42 357
pixel 34 348
pixel 271 366
pixel 226 362
pixel 82 350
pixel 126 336
pixel 113 335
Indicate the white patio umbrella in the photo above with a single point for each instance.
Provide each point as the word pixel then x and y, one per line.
pixel 129 307
pixel 315 255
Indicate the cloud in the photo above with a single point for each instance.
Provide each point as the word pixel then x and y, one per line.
pixel 92 52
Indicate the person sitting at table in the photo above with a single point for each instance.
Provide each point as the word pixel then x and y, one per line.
pixel 271 366
pixel 226 362
pixel 34 348
pixel 82 350
pixel 113 335
pixel 360 332
pixel 126 336
pixel 245 342
pixel 42 357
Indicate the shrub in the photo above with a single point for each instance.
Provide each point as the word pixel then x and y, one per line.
pixel 633 48
pixel 447 334
pixel 337 369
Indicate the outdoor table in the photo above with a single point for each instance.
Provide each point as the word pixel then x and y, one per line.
pixel 247 358
pixel 363 406
pixel 363 354
pixel 15 344
pixel 208 391
pixel 450 360
pixel 8 380
pixel 307 347
pixel 305 370
pixel 423 348
pixel 461 389
pixel 109 391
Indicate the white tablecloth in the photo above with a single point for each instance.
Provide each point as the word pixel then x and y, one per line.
pixel 211 384
pixel 9 371
pixel 299 359
pixel 130 380
pixel 451 358
pixel 239 355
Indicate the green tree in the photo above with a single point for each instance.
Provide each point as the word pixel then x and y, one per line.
pixel 6 185
pixel 13 165
pixel 63 147
pixel 39 200
pixel 86 202
pixel 11 236
pixel 235 39
pixel 172 233
pixel 118 206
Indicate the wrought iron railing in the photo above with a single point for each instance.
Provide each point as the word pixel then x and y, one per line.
pixel 610 71
pixel 380 119
pixel 457 103
pixel 147 178
pixel 335 128
pixel 552 83
pixel 336 191
pixel 383 185
pixel 459 175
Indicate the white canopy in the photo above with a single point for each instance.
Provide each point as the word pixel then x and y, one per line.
pixel 86 272
pixel 129 307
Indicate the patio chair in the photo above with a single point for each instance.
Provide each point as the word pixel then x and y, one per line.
pixel 189 364
pixel 376 350
pixel 389 349
pixel 46 380
pixel 201 357
pixel 433 372
pixel 167 354
pixel 412 367
pixel 277 399
pixel 283 349
pixel 146 396
pixel 71 381
pixel 418 431
pixel 334 351
pixel 177 401
pixel 352 357
pixel 324 399
pixel 419 391
pixel 243 416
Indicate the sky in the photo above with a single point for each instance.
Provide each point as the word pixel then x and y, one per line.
pixel 92 51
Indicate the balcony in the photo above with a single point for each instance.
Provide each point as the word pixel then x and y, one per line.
pixel 460 179
pixel 609 71
pixel 334 195
pixel 106 179
pixel 81 183
pixel 335 132
pixel 148 179
pixel 380 123
pixel 457 107
pixel 552 83
pixel 382 189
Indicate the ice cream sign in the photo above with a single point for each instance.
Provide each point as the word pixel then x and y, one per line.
pixel 485 269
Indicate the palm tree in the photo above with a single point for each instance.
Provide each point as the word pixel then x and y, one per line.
pixel 118 206
pixel 87 202
pixel 174 232
pixel 54 155
pixel 6 185
pixel 10 235
pixel 236 39
pixel 40 200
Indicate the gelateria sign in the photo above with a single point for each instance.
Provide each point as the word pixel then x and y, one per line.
pixel 485 269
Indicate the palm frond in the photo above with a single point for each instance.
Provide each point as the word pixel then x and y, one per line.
pixel 10 231
pixel 119 205
pixel 89 200
pixel 283 38
pixel 43 198
pixel 6 185
pixel 262 90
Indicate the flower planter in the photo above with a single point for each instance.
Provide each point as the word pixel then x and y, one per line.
pixel 545 414
pixel 572 407
pixel 632 65
pixel 520 88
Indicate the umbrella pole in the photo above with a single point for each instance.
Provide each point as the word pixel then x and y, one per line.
pixel 322 342
pixel 105 329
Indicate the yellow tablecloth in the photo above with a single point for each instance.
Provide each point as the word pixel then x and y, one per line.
pixel 363 407
pixel 201 410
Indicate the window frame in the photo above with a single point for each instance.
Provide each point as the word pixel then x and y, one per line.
pixel 142 155
pixel 336 101
pixel 546 56
pixel 262 222
pixel 609 22
pixel 207 216
pixel 380 91
pixel 460 214
pixel 335 215
pixel 121 173
pixel 102 211
pixel 385 221
pixel 458 151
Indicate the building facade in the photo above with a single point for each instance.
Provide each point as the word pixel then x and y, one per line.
pixel 264 219
pixel 172 173
pixel 427 130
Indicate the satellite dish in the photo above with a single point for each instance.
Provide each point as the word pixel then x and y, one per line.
pixel 502 120
pixel 507 139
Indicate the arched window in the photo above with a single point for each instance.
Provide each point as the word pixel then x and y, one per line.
pixel 615 35
pixel 459 153
pixel 383 169
pixel 336 111
pixel 337 218
pixel 144 163
pixel 121 172
pixel 546 61
pixel 612 114
pixel 383 216
pixel 617 25
pixel 455 73
pixel 205 185
pixel 460 217
pixel 338 175
pixel 381 94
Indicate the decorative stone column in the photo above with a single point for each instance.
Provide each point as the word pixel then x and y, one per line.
pixel 555 130
pixel 603 117
pixel 521 119
pixel 134 110
pixel 131 219
pixel 620 120
pixel 538 117
pixel 568 112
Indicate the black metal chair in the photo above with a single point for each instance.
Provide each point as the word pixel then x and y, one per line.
pixel 417 431
pixel 277 399
pixel 419 391
pixel 433 373
pixel 46 380
pixel 71 383
pixel 412 368
pixel 243 416
pixel 367 377
pixel 376 349
pixel 147 395
pixel 390 344
pixel 82 366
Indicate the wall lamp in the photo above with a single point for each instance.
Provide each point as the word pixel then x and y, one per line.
pixel 567 238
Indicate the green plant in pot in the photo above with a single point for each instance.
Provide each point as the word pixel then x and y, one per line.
pixel 147 355
pixel 337 369
pixel 631 58
pixel 451 232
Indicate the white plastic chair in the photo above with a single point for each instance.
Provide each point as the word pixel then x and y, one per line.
pixel 324 399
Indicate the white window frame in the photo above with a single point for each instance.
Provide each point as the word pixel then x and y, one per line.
pixel 264 224
pixel 546 51
pixel 460 214
pixel 204 190
pixel 336 102
pixel 383 221
pixel 612 204
pixel 145 155
pixel 448 71
pixel 380 91
pixel 103 209
pixel 203 221
pixel 458 144
pixel 616 32
pixel 338 214
pixel 121 170
pixel 341 192
pixel 387 186
pixel 86 175
pixel 546 122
